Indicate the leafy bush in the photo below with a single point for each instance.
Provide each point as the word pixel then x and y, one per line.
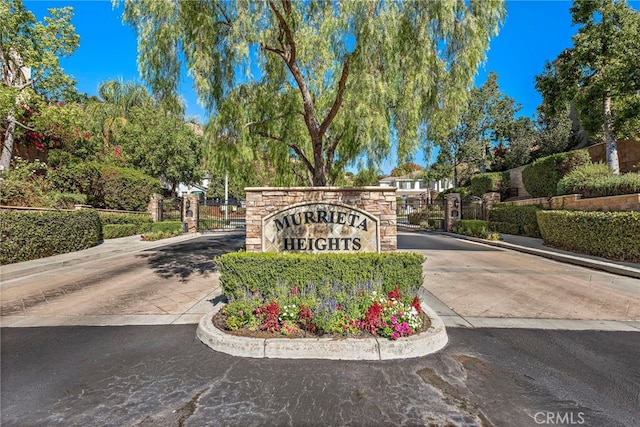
pixel 499 182
pixel 471 227
pixel 124 188
pixel 612 235
pixel 541 177
pixel 124 218
pixel 31 235
pixel 598 180
pixel 30 184
pixel 514 219
pixel 167 227
pixel 465 193
pixel 242 272
pixel 113 231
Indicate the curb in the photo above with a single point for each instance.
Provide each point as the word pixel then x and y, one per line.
pixel 556 256
pixel 428 342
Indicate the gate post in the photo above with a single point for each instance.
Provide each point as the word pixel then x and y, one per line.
pixel 191 212
pixel 155 207
pixel 451 210
pixel 488 200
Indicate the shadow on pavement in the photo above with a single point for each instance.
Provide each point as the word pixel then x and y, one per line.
pixel 194 256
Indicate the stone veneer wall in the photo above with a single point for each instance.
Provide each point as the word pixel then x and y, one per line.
pixel 377 201
pixel 575 202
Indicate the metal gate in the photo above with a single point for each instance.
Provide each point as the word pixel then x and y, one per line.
pixel 172 209
pixel 473 208
pixel 215 214
pixel 419 213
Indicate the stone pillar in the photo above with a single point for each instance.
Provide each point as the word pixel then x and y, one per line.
pixel 190 212
pixel 488 200
pixel 155 207
pixel 452 209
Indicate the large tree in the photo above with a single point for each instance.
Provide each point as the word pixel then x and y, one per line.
pixel 486 120
pixel 600 74
pixel 29 55
pixel 322 81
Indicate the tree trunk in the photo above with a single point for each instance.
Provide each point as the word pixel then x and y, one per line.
pixel 7 145
pixel 611 146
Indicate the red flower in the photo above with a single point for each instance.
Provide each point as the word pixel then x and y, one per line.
pixel 373 318
pixel 394 294
pixel 416 304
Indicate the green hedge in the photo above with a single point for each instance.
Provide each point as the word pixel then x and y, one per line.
pixel 514 219
pixel 611 235
pixel 541 177
pixel 123 188
pixel 483 183
pixel 244 271
pixel 124 218
pixel 471 227
pixel 598 180
pixel 31 235
pixel 113 231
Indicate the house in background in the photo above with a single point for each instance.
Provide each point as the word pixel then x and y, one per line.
pixel 413 190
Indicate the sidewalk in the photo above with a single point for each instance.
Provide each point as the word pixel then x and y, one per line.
pixel 537 247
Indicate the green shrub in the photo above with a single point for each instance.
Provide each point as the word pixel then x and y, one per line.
pixel 611 235
pixel 241 272
pixel 124 218
pixel 167 227
pixel 31 235
pixel 465 193
pixel 124 188
pixel 504 227
pixel 483 183
pixel 113 231
pixel 598 180
pixel 471 227
pixel 514 219
pixel 541 177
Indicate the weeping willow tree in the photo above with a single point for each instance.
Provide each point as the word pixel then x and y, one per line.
pixel 316 84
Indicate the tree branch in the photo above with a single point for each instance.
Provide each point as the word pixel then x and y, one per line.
pixel 338 101
pixel 294 147
pixel 261 122
pixel 287 31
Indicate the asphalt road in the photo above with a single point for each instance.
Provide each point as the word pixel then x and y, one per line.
pixel 163 376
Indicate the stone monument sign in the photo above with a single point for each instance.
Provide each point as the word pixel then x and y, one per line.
pixel 321 227
pixel 321 219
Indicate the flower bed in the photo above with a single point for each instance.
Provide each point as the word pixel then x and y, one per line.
pixel 325 310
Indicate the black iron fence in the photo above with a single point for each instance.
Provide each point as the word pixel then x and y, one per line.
pixel 215 214
pixel 172 209
pixel 421 214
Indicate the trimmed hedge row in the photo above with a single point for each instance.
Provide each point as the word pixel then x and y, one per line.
pixel 113 231
pixel 489 182
pixel 471 227
pixel 514 219
pixel 541 177
pixel 31 235
pixel 241 272
pixel 598 180
pixel 124 218
pixel 612 235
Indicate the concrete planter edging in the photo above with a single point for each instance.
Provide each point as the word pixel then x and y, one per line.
pixel 430 341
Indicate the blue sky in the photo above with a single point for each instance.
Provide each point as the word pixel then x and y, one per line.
pixel 533 32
